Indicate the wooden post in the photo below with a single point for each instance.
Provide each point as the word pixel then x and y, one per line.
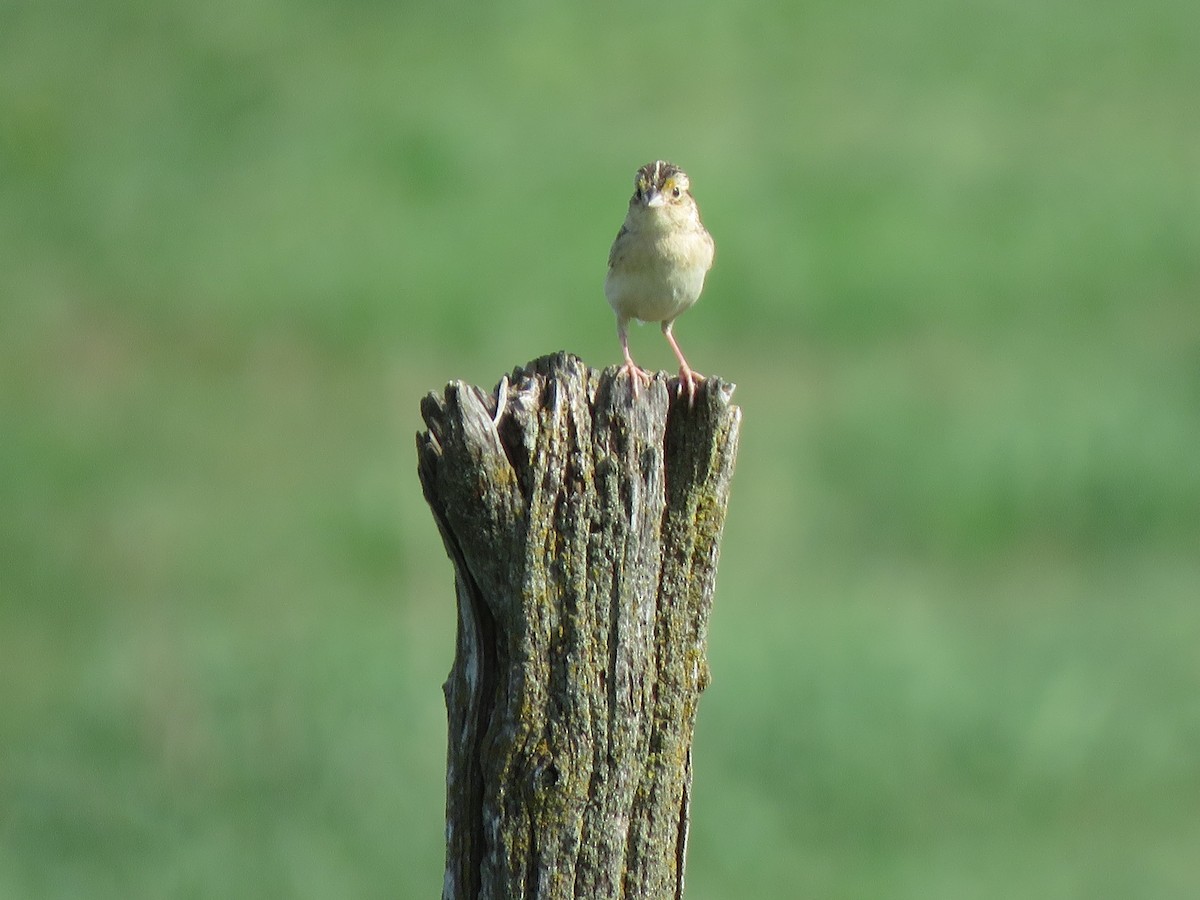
pixel 584 528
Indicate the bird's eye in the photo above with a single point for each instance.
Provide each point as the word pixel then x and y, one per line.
pixel 675 192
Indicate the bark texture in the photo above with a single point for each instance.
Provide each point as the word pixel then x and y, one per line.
pixel 584 528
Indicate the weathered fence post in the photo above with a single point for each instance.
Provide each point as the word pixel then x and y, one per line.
pixel 584 527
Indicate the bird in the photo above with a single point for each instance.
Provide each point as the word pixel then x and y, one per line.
pixel 658 262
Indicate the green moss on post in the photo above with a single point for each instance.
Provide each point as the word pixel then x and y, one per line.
pixel 584 528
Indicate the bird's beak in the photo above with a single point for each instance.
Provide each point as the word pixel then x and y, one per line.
pixel 654 200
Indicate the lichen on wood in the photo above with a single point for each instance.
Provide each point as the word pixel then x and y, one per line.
pixel 584 526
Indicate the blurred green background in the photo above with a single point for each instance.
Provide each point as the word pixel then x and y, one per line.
pixel 957 283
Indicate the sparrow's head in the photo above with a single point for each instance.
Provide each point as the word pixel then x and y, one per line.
pixel 660 184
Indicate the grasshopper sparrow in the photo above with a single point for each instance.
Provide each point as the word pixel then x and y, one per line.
pixel 657 264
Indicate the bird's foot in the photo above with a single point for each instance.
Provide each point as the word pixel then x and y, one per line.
pixel 637 376
pixel 688 381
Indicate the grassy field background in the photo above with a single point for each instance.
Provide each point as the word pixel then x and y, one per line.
pixel 957 283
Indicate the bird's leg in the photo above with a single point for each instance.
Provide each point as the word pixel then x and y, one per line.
pixel 687 378
pixel 636 374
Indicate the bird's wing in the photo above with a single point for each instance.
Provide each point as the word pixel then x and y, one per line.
pixel 612 254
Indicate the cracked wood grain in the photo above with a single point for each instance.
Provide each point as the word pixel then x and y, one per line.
pixel 584 529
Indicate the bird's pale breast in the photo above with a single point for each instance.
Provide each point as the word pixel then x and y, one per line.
pixel 656 280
